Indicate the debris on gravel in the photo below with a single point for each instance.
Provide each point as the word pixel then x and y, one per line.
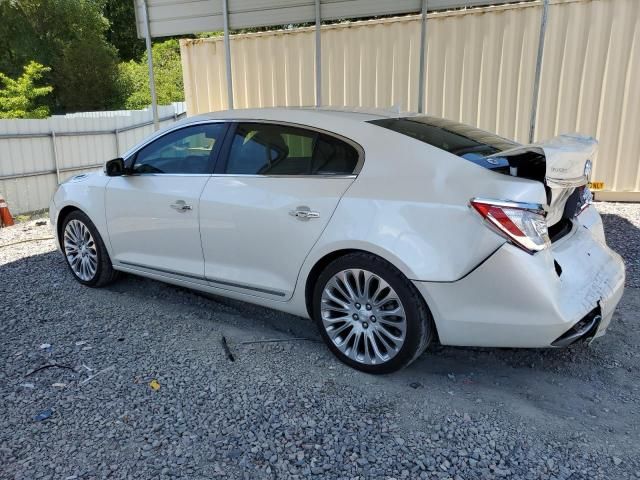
pixel 133 381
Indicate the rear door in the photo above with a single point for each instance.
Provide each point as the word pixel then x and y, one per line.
pixel 152 213
pixel 273 194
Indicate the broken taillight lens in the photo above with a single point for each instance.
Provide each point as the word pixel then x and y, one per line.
pixel 523 224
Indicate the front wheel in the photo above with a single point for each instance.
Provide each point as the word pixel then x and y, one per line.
pixel 85 251
pixel 370 315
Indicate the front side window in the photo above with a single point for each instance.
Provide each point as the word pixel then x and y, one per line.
pixel 270 149
pixel 187 150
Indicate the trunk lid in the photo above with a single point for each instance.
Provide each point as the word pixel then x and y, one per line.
pixel 562 163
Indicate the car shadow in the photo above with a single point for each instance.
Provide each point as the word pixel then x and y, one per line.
pixel 624 238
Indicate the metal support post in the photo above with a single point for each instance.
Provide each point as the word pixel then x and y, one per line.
pixel 227 49
pixel 538 72
pixel 152 81
pixel 423 41
pixel 318 56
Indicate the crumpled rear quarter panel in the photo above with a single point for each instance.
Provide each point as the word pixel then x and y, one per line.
pixel 518 300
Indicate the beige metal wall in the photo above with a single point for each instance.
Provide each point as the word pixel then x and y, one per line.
pixel 591 84
pixel 479 70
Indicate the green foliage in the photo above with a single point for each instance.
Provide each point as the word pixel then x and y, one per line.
pixel 134 77
pixel 90 76
pixel 21 98
pixel 69 36
pixel 209 34
pixel 96 60
pixel 122 32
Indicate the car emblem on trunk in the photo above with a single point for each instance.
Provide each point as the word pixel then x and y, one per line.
pixel 587 169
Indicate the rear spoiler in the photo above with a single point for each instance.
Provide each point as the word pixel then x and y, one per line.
pixel 568 158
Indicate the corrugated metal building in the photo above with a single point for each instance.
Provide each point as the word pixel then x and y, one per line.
pixel 480 66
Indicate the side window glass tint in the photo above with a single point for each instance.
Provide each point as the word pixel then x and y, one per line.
pixel 187 150
pixel 334 157
pixel 269 149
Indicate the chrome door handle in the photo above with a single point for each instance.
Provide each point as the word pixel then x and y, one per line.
pixel 304 213
pixel 181 206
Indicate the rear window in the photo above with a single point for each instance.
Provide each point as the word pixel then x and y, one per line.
pixel 456 138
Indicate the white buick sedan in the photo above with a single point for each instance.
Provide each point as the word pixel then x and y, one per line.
pixel 387 230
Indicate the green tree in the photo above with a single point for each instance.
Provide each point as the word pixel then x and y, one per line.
pixel 90 77
pixel 122 32
pixel 21 98
pixel 69 36
pixel 134 77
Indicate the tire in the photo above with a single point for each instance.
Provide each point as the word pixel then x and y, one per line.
pixel 378 321
pixel 76 225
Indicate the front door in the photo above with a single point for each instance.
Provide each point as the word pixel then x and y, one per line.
pixel 271 198
pixel 152 213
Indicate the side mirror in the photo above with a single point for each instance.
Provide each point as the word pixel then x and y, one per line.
pixel 114 168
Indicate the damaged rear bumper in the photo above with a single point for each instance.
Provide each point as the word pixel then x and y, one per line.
pixel 584 330
pixel 514 299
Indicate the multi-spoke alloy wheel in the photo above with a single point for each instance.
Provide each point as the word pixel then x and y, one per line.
pixel 363 316
pixel 85 251
pixel 370 315
pixel 81 250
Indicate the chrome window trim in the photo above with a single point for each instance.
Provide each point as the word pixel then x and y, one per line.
pixel 169 175
pixel 208 175
pixel 253 175
pixel 356 171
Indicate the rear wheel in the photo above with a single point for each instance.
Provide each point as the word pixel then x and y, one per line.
pixel 85 252
pixel 370 315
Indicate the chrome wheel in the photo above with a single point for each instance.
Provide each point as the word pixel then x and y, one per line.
pixel 80 250
pixel 363 316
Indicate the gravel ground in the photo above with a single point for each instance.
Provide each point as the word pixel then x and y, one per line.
pixel 289 409
pixel 622 226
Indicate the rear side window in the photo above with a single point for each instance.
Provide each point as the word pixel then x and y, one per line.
pixel 334 157
pixel 453 137
pixel 271 149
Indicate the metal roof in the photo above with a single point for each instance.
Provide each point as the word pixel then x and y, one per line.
pixel 181 17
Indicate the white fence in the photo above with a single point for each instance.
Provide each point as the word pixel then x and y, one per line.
pixel 36 155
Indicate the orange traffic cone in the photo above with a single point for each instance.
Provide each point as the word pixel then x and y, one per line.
pixel 6 220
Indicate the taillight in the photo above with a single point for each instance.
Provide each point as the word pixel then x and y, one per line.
pixel 523 224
